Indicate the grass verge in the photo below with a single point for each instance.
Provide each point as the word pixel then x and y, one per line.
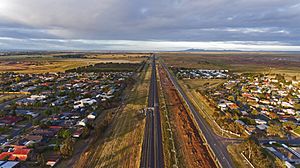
pixel 236 156
pixel 203 107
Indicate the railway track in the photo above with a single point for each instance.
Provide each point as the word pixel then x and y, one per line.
pixel 152 150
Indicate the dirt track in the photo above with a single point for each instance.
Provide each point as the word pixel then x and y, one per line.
pixel 189 142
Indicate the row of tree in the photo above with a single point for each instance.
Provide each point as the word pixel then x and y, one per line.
pixel 258 156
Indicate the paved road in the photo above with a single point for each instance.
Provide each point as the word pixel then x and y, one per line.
pixel 152 152
pixel 213 140
pixel 2 105
pixel 294 141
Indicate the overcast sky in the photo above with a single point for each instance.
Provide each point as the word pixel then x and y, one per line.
pixel 150 24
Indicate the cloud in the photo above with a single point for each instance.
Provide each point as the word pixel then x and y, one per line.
pixel 144 20
pixel 79 44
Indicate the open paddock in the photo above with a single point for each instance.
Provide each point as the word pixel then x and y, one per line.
pixel 53 63
pixel 239 62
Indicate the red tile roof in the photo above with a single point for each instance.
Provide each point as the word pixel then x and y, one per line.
pixel 17 154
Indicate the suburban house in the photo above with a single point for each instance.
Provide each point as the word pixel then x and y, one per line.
pixel 17 153
pixel 81 103
pixel 92 116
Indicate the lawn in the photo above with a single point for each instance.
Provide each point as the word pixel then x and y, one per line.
pixel 236 155
pixel 297 130
pixel 7 97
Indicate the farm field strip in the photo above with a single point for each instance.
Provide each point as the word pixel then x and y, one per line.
pixel 42 66
pixel 61 62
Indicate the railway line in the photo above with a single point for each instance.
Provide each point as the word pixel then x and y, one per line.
pixel 152 150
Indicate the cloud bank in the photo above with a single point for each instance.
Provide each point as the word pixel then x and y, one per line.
pixel 103 24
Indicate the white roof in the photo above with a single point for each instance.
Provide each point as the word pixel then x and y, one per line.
pixel 262 126
pixel 260 121
pixel 8 164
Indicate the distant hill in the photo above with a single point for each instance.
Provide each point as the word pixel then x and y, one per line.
pixel 203 50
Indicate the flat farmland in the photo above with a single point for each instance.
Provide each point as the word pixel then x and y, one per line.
pixel 60 63
pixel 119 56
pixel 240 62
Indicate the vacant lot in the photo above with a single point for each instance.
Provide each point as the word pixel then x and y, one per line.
pixel 235 152
pixel 201 84
pixel 239 62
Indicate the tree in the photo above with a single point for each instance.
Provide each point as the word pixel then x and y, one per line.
pixel 48 112
pixel 64 133
pixel 85 132
pixel 2 113
pixel 41 160
pixel 279 77
pixel 275 130
pixel 297 106
pixel 255 154
pixel 29 117
pixel 56 147
pixel 67 148
pixel 279 163
pixel 216 115
pixel 35 122
pixel 17 79
pixel 249 148
pixel 273 115
pixel 43 125
pixel 231 98
pixel 289 125
pixel 254 112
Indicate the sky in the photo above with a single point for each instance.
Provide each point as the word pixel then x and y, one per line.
pixel 272 25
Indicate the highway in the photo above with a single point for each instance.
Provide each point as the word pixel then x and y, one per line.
pixel 214 141
pixel 152 150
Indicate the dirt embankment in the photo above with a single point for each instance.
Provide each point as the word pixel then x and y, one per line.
pixel 192 149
